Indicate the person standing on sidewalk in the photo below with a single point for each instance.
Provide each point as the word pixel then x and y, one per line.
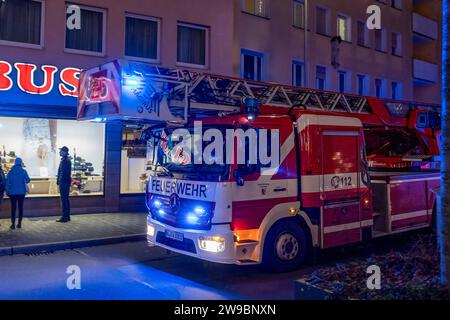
pixel 2 183
pixel 64 181
pixel 16 189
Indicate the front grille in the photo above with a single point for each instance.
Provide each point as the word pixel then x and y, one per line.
pixel 180 217
pixel 185 245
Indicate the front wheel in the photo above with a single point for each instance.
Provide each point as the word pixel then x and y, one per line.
pixel 285 247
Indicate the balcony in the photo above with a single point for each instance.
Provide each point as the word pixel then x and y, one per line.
pixel 425 71
pixel 424 27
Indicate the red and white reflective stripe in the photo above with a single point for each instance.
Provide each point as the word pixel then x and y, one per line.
pixel 348 226
pixel 409 215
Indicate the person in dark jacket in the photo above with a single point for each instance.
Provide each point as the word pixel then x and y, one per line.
pixel 16 189
pixel 64 181
pixel 2 183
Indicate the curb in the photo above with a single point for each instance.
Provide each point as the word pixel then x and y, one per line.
pixel 69 245
pixel 309 292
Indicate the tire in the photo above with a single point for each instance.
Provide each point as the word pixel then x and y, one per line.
pixel 285 247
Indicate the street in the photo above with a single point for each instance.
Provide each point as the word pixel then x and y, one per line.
pixel 135 271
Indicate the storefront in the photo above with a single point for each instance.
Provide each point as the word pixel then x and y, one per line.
pixel 38 116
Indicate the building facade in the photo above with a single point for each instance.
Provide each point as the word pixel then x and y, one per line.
pixel 42 51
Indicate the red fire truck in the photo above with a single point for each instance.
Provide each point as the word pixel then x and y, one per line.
pixel 350 168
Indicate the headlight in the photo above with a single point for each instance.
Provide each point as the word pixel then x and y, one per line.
pixel 212 244
pixel 150 230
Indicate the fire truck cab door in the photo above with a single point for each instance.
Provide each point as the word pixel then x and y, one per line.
pixel 340 183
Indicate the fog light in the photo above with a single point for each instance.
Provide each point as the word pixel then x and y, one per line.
pixel 212 244
pixel 151 230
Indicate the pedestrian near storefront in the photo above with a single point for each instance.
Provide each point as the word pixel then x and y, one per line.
pixel 16 188
pixel 2 183
pixel 64 181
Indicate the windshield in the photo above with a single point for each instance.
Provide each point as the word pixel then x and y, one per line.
pixel 183 154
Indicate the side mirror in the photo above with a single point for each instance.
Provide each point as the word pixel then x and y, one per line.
pixel 239 178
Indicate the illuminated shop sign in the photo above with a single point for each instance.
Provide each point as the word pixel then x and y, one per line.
pixel 25 83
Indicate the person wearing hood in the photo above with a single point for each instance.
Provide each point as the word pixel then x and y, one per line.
pixel 16 188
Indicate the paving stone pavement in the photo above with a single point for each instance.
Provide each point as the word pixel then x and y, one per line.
pixel 39 231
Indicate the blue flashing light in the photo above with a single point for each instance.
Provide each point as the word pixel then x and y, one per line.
pixel 192 218
pixel 99 119
pixel 132 81
pixel 157 204
pixel 200 210
pixel 161 212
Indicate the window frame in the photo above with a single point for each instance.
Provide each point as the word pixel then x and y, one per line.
pixel 86 52
pixel 158 41
pixel 256 54
pixel 265 14
pixel 348 26
pixel 207 32
pixel 327 21
pixel 384 47
pixel 399 90
pixel 383 88
pixel 325 85
pixel 399 44
pixel 296 3
pixel 296 63
pixel 347 81
pixel 366 35
pixel 39 46
pixel 366 85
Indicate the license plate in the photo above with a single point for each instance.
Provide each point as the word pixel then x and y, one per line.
pixel 178 236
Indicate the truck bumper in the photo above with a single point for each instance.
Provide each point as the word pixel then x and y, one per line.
pixel 188 242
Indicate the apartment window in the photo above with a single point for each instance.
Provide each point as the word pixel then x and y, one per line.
pixel 344 27
pixel 380 40
pixel 363 85
pixel 21 22
pixel 299 14
pixel 141 37
pixel 322 24
pixel 380 88
pixel 252 65
pixel 343 82
pixel 363 34
pixel 255 7
pixel 91 37
pixel 396 90
pixel 298 72
pixel 396 44
pixel 192 45
pixel 397 4
pixel 321 77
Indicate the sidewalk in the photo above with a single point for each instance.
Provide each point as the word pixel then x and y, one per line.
pixel 45 234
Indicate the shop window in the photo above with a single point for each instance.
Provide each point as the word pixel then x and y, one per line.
pixel 90 38
pixel 133 162
pixel 21 22
pixel 36 141
pixel 192 45
pixel 252 65
pixel 299 14
pixel 141 37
